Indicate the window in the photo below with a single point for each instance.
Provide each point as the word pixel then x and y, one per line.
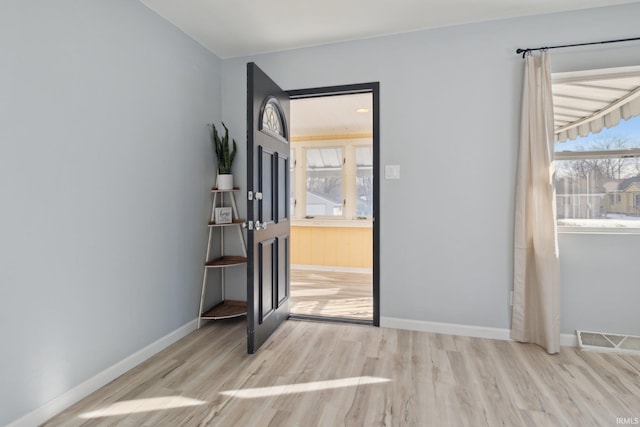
pixel 597 178
pixel 332 179
pixel 597 149
pixel 272 118
pixel 364 181
pixel 324 181
pixel 292 198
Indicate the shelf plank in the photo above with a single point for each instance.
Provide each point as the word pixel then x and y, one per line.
pixel 215 190
pixel 226 261
pixel 226 310
pixel 235 222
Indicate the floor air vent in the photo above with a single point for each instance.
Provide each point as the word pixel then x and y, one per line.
pixel 599 341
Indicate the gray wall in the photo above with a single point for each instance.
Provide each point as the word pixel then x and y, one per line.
pixel 450 105
pixel 105 167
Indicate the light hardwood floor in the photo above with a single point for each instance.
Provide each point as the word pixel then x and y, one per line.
pixel 327 374
pixel 333 294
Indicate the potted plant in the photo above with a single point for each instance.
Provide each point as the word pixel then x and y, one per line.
pixel 225 157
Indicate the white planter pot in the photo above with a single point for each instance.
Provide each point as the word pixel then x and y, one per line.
pixel 225 182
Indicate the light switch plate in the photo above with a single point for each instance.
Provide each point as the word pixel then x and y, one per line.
pixel 392 172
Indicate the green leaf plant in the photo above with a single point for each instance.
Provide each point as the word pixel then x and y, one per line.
pixel 224 155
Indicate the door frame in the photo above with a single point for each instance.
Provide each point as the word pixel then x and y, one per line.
pixel 374 89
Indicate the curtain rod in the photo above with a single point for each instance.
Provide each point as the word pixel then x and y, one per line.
pixel 525 51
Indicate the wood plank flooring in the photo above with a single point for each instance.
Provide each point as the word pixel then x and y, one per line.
pixel 332 294
pixel 327 374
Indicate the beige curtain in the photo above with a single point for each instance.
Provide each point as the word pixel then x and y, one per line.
pixel 536 296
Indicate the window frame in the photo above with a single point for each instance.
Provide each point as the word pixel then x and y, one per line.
pixel 348 144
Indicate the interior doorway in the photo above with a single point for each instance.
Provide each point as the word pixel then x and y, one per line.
pixel 334 201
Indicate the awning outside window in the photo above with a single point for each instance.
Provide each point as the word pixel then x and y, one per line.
pixel 588 101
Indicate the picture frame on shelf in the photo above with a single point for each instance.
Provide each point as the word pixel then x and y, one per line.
pixel 223 216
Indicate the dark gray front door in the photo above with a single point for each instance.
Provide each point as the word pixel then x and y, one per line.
pixel 268 180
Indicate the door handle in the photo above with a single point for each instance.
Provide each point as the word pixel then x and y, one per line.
pixel 261 225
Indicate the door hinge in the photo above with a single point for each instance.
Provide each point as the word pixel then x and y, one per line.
pixel 250 225
pixel 250 195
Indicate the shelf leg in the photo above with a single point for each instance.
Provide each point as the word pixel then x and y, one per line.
pixel 206 258
pixel 202 293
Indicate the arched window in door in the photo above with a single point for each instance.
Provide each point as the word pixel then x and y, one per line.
pixel 272 119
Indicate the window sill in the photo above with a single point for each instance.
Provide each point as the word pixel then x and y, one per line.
pixel 598 230
pixel 333 222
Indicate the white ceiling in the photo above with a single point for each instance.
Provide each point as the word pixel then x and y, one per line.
pixel 233 28
pixel 332 115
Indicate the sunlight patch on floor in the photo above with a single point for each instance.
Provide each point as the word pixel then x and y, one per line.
pixel 332 293
pixel 142 405
pixel 252 393
pixel 314 292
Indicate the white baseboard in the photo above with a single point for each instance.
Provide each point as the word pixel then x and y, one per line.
pixel 82 390
pixel 567 340
pixel 332 268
